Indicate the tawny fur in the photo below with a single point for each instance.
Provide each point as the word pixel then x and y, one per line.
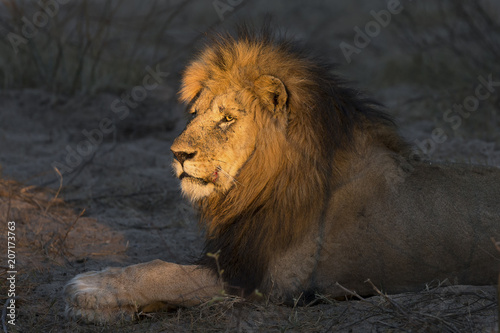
pixel 303 187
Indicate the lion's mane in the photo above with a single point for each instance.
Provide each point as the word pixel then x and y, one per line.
pixel 286 183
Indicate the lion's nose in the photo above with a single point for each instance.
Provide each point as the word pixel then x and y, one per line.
pixel 182 156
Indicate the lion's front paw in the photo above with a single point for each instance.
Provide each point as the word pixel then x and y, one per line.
pixel 100 297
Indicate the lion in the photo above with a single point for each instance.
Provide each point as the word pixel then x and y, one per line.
pixel 304 187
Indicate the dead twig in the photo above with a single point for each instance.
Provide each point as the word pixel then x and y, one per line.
pixel 350 292
pixel 58 190
pixel 63 240
pixel 387 298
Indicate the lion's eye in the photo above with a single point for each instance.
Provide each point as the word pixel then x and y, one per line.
pixel 226 122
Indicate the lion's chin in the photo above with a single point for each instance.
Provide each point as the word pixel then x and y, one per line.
pixel 195 188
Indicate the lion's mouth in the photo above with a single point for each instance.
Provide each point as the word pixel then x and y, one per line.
pixel 188 177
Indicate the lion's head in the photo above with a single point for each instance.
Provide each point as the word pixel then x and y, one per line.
pixel 271 129
pixel 222 135
pixel 251 99
pixel 232 105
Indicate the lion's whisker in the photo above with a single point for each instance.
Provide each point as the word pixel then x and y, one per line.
pixel 219 168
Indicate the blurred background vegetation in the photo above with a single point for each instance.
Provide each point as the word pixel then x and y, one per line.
pixel 88 46
pixel 428 58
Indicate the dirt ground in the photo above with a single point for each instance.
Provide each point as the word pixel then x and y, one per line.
pixel 115 201
pixel 133 212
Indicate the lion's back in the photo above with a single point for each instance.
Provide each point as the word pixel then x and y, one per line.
pixel 435 223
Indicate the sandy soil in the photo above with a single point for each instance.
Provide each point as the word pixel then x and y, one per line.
pixel 134 212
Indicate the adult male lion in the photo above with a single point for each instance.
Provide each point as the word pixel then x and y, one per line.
pixel 304 187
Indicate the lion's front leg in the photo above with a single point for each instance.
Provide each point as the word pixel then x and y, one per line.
pixel 120 293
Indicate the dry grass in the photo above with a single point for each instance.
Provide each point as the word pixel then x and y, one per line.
pixel 47 228
pixel 52 236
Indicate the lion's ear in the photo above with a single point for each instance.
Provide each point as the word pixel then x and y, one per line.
pixel 272 92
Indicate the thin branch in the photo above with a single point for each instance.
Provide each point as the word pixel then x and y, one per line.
pixel 63 240
pixel 58 190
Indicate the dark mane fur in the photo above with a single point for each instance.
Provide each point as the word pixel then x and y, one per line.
pixel 280 194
